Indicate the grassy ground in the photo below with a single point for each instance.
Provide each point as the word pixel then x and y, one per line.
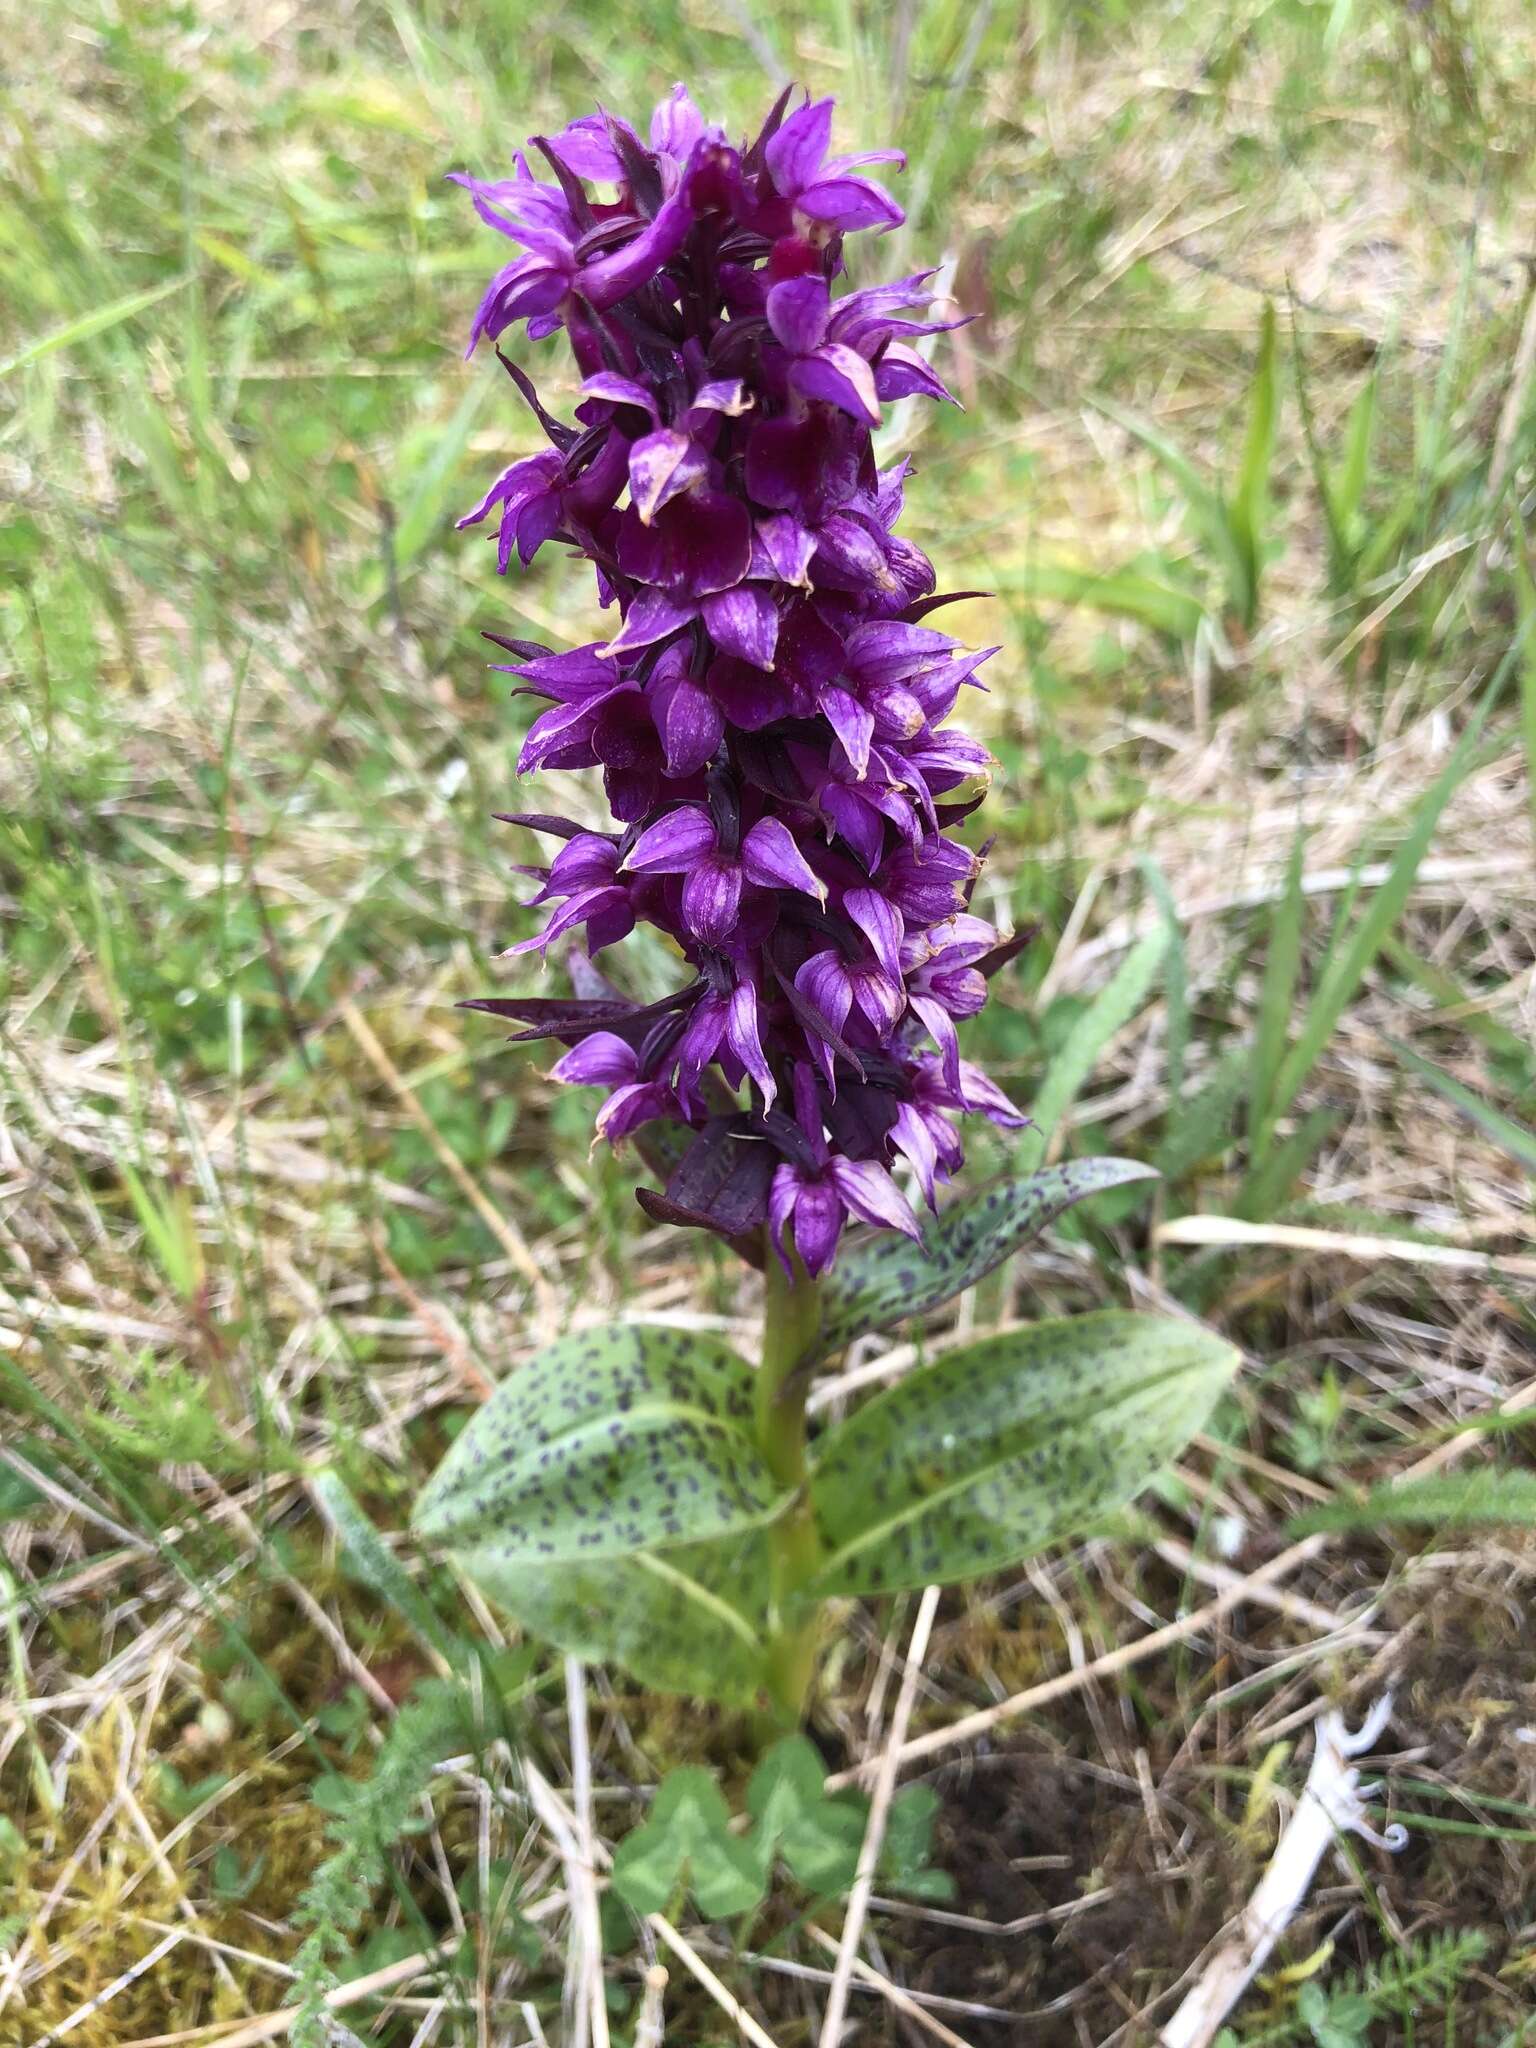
pixel 269 1201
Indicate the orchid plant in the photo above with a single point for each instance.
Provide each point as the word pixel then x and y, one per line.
pixel 787 801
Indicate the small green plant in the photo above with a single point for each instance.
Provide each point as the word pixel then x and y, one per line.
pixel 688 1845
pixel 1423 1973
pixel 366 1818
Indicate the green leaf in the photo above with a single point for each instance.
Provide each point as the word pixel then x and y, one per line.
pixel 373 1564
pixel 691 1619
pixel 169 1232
pixel 1351 960
pixel 18 1496
pixel 1175 975
pixel 232 1879
pixel 1525 601
pixel 1001 1447
pixel 1268 1186
pixel 612 1441
pixel 1355 469
pixel 908 1846
pixel 1248 512
pixel 1517 1139
pixel 1340 552
pixel 1202 502
pixel 1110 1011
pixel 95 322
pixel 687 1844
pixel 1200 1125
pixel 816 1835
pixel 1282 966
pixel 887 1277
pixel 1125 593
pixel 1446 1500
pixel 424 513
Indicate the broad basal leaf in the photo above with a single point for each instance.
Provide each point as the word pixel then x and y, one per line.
pixel 612 1441
pixel 888 1277
pixel 689 1620
pixel 1004 1446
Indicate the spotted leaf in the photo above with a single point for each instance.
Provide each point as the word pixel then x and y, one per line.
pixel 689 1620
pixel 1002 1447
pixel 612 1441
pixel 887 1278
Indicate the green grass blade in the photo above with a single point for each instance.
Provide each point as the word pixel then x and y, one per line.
pixel 1351 959
pixel 1269 1182
pixel 1355 469
pixel 1175 976
pixel 1518 1140
pixel 1201 1129
pixel 1340 576
pixel 1445 1500
pixel 428 508
pixel 1207 512
pixel 1525 594
pixel 1277 997
pixel 95 322
pixel 1109 1012
pixel 167 1231
pixel 1447 993
pixel 370 1560
pixel 1124 593
pixel 1248 514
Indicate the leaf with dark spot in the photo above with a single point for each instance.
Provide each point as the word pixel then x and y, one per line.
pixel 883 1279
pixel 692 1620
pixel 610 1442
pixel 662 1144
pixel 999 1448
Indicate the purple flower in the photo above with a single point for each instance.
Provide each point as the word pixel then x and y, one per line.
pixel 811 1199
pixel 687 842
pixel 609 1061
pixel 770 711
pixel 529 496
pixel 822 188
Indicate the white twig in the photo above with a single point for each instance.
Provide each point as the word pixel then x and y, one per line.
pixel 1332 1804
pixel 695 1964
pixel 1299 1237
pixel 894 1996
pixel 589 2018
pixel 119 1983
pixel 874 1833
pixel 648 2026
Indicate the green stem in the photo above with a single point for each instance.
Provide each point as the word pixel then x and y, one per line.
pixel 791 1314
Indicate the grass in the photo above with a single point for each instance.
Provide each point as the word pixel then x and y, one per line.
pixel 1247 459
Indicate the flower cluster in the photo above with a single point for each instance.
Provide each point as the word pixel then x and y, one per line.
pixel 770 715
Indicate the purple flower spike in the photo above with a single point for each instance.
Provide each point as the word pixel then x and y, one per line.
pixel 770 710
